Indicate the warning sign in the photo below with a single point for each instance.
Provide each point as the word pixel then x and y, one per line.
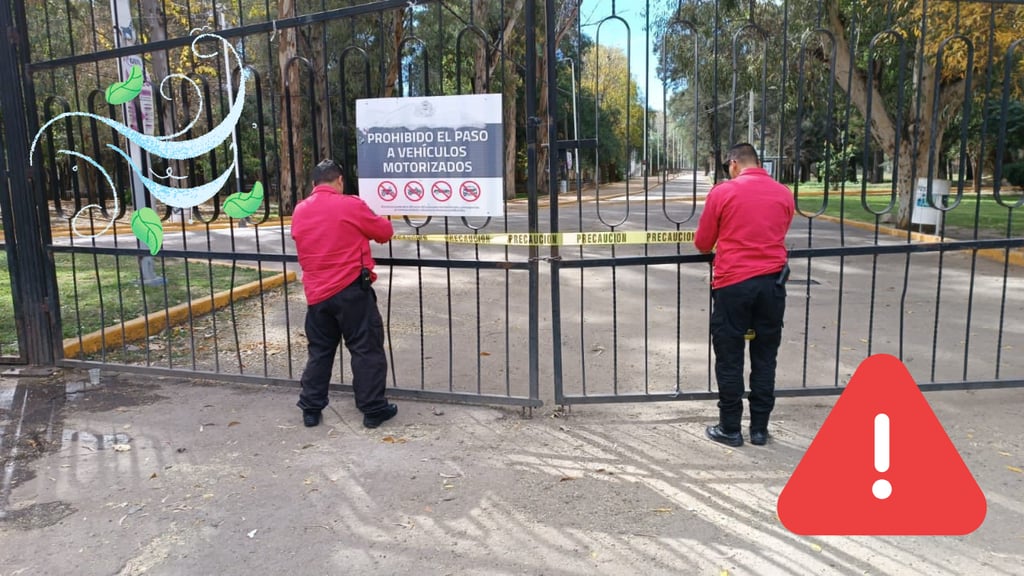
pixel 441 191
pixel 470 191
pixel 387 191
pixel 452 146
pixel 414 191
pixel 881 465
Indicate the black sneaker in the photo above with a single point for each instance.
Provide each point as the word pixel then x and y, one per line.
pixel 381 416
pixel 734 439
pixel 310 418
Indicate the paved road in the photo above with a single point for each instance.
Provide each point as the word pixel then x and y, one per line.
pixel 454 489
pixel 641 328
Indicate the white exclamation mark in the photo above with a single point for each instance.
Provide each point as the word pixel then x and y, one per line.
pixel 882 489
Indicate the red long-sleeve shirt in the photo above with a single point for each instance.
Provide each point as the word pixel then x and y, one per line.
pixel 747 217
pixel 332 233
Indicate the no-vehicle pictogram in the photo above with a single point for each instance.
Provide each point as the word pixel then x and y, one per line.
pixel 441 191
pixel 470 191
pixel 414 191
pixel 387 191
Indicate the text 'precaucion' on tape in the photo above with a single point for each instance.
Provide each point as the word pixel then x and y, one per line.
pixel 558 238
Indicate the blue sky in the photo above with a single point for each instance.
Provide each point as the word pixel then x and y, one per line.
pixel 613 33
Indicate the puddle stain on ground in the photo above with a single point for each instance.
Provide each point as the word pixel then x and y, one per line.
pixel 32 425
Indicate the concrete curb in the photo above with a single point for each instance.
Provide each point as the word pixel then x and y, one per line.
pixel 1015 257
pixel 146 326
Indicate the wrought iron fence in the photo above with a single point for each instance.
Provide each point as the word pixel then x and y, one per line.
pixel 599 142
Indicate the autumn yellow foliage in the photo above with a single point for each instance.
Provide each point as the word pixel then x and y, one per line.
pixel 968 33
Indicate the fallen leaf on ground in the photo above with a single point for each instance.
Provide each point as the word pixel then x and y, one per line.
pixel 816 547
pixel 662 510
pixel 1015 469
pixel 233 423
pixel 443 475
pixel 565 478
pixel 153 476
pixel 392 440
pixel 122 447
pixel 1007 454
pixel 253 533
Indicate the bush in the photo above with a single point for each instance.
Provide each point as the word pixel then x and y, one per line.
pixel 1014 174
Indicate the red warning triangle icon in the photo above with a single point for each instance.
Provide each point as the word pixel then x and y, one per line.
pixel 881 465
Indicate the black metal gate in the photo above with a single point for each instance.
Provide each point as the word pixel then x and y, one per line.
pixel 607 153
pixel 630 321
pixel 26 295
pixel 219 297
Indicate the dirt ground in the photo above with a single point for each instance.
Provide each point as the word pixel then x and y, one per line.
pixel 142 475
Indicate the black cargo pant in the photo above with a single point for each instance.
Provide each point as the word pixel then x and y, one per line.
pixel 759 304
pixel 351 314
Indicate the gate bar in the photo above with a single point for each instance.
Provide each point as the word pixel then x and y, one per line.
pixel 31 277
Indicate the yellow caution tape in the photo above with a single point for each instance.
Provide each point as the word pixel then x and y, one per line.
pixel 559 238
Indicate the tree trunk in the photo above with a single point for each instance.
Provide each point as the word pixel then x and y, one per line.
pixel 510 84
pixel 318 57
pixel 292 168
pixel 563 24
pixel 154 22
pixel 397 34
pixel 877 159
pixel 481 73
pixel 546 118
pixel 509 113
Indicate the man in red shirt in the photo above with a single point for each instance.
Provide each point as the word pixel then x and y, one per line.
pixel 332 233
pixel 747 217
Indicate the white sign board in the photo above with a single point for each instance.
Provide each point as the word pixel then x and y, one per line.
pixel 431 156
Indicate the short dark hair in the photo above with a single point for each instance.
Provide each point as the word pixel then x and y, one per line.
pixel 744 153
pixel 326 171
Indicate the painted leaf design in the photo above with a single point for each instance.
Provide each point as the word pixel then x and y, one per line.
pixel 148 229
pixel 242 204
pixel 121 92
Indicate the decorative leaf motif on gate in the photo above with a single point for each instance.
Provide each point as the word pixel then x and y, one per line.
pixel 148 229
pixel 124 92
pixel 146 221
pixel 239 205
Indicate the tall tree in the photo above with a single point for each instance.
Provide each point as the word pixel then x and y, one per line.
pixel 496 65
pixel 606 73
pixel 566 13
pixel 291 158
pixel 932 98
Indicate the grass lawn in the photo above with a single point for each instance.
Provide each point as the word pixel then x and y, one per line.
pixel 991 218
pixel 106 295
